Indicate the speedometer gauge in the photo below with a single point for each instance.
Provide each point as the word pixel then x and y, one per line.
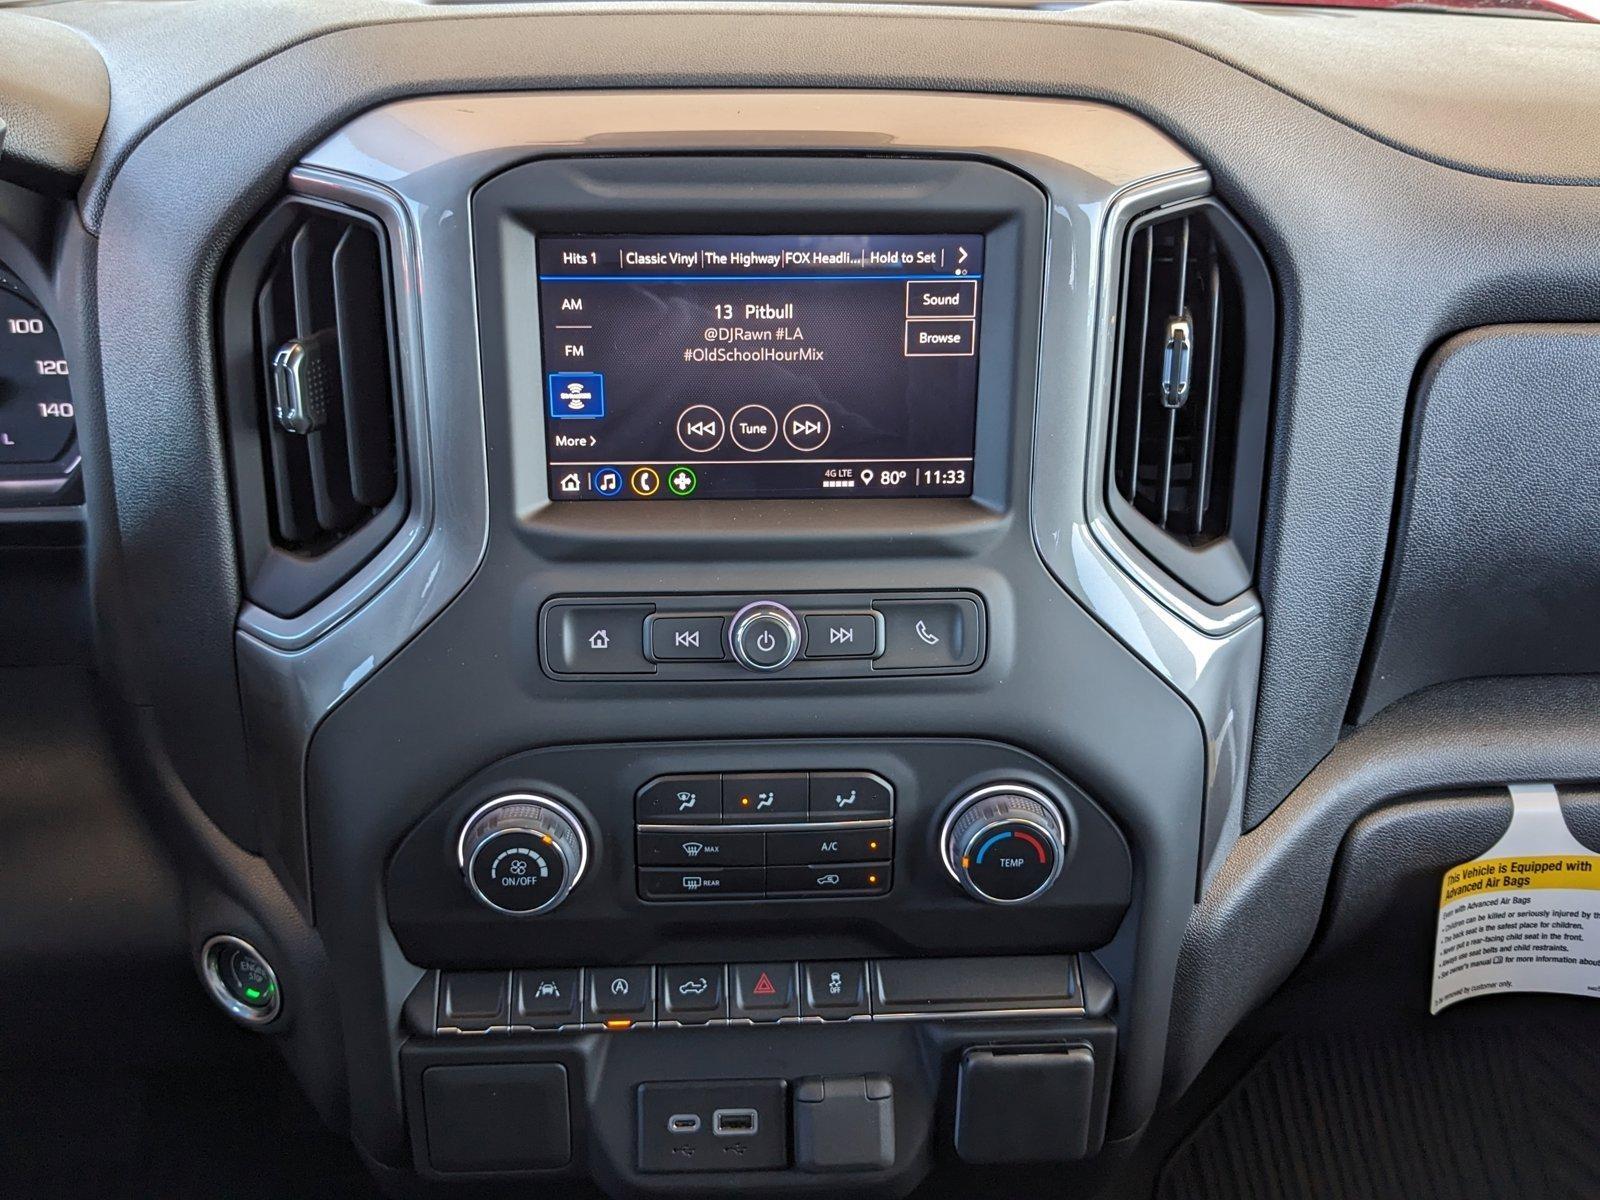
pixel 36 414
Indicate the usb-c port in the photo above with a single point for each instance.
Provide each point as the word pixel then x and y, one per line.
pixel 683 1123
pixel 734 1122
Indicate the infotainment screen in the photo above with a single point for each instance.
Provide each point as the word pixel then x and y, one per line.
pixel 764 366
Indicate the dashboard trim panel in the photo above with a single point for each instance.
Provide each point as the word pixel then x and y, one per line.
pixel 1074 150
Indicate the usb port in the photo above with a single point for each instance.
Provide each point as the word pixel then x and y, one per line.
pixel 683 1123
pixel 734 1122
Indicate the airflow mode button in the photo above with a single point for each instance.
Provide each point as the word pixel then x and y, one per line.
pixel 840 796
pixel 680 800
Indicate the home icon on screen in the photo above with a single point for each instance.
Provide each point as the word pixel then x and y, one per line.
pixel 599 640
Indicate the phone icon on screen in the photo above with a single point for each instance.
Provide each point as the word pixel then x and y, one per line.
pixel 923 632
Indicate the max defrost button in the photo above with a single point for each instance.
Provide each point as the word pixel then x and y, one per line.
pixel 596 639
pixel 928 635
pixel 700 848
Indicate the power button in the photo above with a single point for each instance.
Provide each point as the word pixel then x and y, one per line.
pixel 764 636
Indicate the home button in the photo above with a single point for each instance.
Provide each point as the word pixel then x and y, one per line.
pixel 596 639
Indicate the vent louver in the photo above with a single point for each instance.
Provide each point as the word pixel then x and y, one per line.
pixel 309 350
pixel 1192 396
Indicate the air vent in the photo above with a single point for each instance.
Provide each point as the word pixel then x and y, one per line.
pixel 312 391
pixel 1192 396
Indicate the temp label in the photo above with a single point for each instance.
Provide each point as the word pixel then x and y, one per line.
pixel 1526 916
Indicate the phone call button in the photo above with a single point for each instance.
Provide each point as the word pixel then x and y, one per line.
pixel 929 634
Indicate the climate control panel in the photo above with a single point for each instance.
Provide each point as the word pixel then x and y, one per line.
pixel 758 835
pixel 800 849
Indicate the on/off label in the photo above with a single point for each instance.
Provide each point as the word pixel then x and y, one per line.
pixel 1526 916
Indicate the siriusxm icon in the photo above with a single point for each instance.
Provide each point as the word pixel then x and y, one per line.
pixel 577 395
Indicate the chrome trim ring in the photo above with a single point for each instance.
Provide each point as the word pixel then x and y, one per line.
pixel 770 610
pixel 1056 831
pixel 211 972
pixel 554 807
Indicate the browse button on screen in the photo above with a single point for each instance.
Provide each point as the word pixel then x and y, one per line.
pixel 941 339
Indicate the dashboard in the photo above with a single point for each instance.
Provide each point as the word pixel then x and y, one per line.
pixel 793 599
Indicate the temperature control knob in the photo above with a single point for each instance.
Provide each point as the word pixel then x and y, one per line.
pixel 523 854
pixel 1004 843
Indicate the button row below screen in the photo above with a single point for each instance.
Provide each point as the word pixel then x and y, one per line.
pixel 759 993
pixel 637 637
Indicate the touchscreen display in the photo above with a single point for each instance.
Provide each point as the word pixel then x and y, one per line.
pixel 724 367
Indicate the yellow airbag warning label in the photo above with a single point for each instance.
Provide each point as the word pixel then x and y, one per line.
pixel 1526 916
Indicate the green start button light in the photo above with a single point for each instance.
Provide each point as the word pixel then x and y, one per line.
pixel 240 979
pixel 247 978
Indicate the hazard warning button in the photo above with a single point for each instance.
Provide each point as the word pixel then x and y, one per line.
pixel 764 992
